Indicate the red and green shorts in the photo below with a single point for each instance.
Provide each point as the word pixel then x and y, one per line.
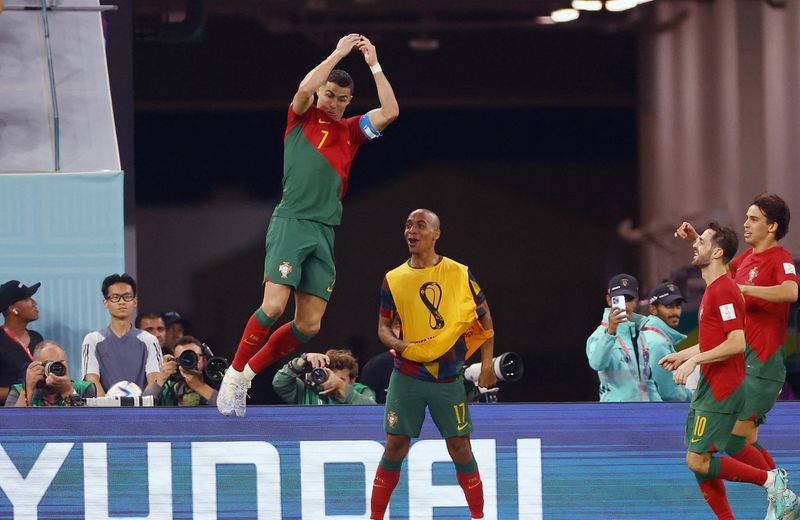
pixel 764 382
pixel 408 397
pixel 708 431
pixel 300 255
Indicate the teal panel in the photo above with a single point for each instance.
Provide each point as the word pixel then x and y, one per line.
pixel 65 230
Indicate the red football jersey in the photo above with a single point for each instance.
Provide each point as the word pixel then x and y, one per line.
pixel 766 321
pixel 722 310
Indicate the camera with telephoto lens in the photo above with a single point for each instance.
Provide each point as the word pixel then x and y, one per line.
pixel 57 368
pixel 508 367
pixel 215 366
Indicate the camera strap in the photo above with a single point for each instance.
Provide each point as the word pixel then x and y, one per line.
pixel 18 341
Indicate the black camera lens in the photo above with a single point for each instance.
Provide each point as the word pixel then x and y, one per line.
pixel 319 376
pixel 188 359
pixel 215 369
pixel 57 368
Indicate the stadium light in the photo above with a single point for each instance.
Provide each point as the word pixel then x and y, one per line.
pixel 620 5
pixel 587 5
pixel 565 15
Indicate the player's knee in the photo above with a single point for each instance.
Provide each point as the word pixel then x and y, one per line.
pixel 308 328
pixel 396 447
pixel 459 448
pixel 273 309
pixel 697 463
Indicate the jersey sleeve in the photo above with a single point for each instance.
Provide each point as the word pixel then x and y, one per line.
pixel 785 270
pixel 388 307
pixel 89 355
pixel 154 357
pixel 477 292
pixel 356 134
pixel 729 305
pixel 293 119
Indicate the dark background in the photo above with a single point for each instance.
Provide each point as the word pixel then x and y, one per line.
pixel 522 137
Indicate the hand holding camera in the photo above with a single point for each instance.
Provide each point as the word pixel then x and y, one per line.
pixel 52 374
pixel 169 367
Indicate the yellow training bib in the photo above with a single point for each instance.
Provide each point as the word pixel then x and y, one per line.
pixel 436 307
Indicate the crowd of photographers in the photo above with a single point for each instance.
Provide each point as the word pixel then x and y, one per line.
pixel 152 355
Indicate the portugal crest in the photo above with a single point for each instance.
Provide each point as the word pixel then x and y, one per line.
pixel 285 268
pixel 391 418
pixel 752 274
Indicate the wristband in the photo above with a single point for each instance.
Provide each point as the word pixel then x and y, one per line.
pixel 375 68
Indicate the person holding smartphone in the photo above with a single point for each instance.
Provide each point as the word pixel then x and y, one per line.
pixel 614 349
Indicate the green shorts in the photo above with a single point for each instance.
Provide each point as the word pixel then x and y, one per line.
pixel 761 397
pixel 408 397
pixel 300 255
pixel 708 431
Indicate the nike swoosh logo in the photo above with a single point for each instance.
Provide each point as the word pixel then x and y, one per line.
pixel 696 440
pixel 323 122
pixel 474 486
pixel 461 427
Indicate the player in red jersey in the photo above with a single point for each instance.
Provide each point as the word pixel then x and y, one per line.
pixel 319 147
pixel 767 278
pixel 721 392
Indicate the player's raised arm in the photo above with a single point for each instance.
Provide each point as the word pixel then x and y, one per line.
pixel 389 110
pixel 316 77
pixel 686 232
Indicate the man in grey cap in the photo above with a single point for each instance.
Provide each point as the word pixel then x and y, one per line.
pixel 16 341
pixel 659 338
pixel 614 350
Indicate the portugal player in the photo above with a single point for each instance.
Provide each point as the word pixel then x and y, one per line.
pixel 721 393
pixel 767 278
pixel 319 147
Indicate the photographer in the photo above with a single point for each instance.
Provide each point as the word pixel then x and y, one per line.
pixel 328 378
pixel 47 381
pixel 181 381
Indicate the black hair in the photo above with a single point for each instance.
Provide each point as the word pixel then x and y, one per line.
pixel 118 278
pixel 149 316
pixel 186 340
pixel 776 211
pixel 343 79
pixel 725 238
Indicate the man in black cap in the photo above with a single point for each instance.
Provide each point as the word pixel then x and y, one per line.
pixel 613 348
pixel 659 337
pixel 16 341
pixel 176 328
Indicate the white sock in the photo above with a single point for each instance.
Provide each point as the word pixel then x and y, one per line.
pixel 248 373
pixel 770 480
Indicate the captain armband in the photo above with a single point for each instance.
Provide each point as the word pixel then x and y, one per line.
pixel 367 129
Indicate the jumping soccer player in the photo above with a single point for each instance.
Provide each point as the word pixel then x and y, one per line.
pixel 319 147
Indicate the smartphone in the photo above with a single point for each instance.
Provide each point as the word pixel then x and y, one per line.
pixel 619 303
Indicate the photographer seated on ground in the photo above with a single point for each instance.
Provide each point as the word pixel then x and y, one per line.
pixel 47 381
pixel 181 380
pixel 328 378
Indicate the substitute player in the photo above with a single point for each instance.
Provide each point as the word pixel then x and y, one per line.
pixel 767 278
pixel 319 147
pixel 444 317
pixel 721 392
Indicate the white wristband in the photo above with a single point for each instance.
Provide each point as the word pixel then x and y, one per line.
pixel 375 68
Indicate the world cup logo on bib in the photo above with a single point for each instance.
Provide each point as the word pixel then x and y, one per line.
pixel 431 295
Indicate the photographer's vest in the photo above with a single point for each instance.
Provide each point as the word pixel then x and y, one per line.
pixel 37 400
pixel 436 307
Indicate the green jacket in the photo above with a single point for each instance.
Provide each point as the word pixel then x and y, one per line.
pixel 290 387
pixel 83 388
